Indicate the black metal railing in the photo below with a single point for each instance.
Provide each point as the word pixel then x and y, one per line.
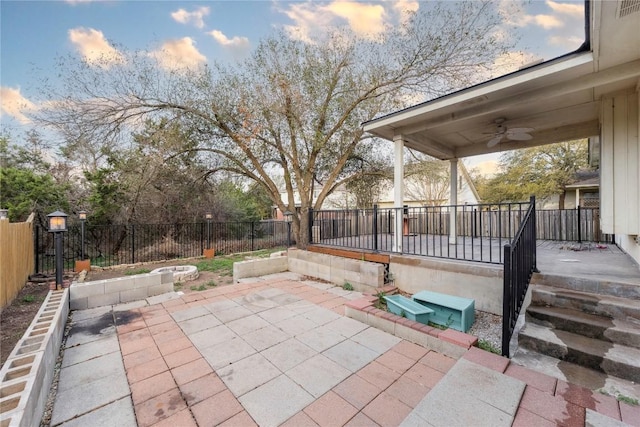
pixel 519 266
pixel 480 230
pixel 108 245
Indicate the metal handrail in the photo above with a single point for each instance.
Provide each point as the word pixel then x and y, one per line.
pixel 519 265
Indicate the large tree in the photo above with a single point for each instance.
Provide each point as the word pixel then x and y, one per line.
pixel 540 171
pixel 293 109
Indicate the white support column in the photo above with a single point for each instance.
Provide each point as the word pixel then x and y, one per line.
pixel 398 190
pixel 453 200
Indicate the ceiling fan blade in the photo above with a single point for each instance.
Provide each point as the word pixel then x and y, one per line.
pixel 519 137
pixel 520 130
pixel 495 140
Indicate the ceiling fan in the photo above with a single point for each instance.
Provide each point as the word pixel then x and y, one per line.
pixel 512 134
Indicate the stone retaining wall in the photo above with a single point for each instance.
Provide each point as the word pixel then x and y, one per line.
pixel 119 290
pixel 364 276
pixel 27 374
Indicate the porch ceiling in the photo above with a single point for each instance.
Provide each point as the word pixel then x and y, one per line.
pixel 559 99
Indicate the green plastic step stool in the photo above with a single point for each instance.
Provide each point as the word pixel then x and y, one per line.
pixel 403 306
pixel 448 310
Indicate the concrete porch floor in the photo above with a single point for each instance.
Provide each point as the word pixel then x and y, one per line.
pixel 598 261
pixel 278 350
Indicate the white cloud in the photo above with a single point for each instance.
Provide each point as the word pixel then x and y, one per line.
pixel 575 10
pixel 511 61
pixel 179 54
pixel 241 42
pixel 569 42
pixel 94 47
pixel 14 104
pixel 364 19
pixel 196 17
pixel 311 20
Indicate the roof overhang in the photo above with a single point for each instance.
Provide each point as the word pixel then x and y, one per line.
pixel 559 99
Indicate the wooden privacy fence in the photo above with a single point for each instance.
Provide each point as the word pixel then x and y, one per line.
pixel 16 258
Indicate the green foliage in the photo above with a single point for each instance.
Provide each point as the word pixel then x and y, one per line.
pixel 347 286
pixel 140 271
pixel 628 400
pixel 487 346
pixel 540 171
pixel 199 288
pixel 29 298
pixel 24 191
pixel 211 284
pixel 223 265
pixel 177 286
pixel 107 196
pixel 380 303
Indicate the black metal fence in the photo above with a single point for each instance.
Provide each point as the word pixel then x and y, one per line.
pixel 481 230
pixel 108 245
pixel 519 266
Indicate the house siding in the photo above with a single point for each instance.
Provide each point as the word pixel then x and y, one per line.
pixel 620 166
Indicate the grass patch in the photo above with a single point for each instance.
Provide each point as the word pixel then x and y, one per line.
pixel 347 286
pixel 381 303
pixel 487 346
pixel 177 286
pixel 628 400
pixel 29 298
pixel 199 288
pixel 211 284
pixel 223 265
pixel 140 271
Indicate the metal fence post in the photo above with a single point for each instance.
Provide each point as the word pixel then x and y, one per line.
pixel 252 234
pixel 579 226
pixel 506 301
pixel 310 227
pixel 133 244
pixel 36 248
pixel 375 227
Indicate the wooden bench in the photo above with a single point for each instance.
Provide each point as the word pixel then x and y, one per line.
pixel 403 306
pixel 448 310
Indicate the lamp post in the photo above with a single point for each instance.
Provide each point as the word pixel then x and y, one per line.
pixel 288 217
pixel 209 252
pixel 4 214
pixel 208 216
pixel 83 217
pixel 57 226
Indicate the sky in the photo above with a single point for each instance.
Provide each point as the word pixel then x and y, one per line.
pixel 34 34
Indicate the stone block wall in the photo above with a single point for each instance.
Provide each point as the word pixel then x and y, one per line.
pixel 119 290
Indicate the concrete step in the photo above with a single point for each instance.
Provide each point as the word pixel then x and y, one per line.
pixel 612 359
pixel 589 325
pixel 576 374
pixel 629 290
pixel 602 305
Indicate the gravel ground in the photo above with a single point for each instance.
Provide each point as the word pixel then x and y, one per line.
pixel 488 327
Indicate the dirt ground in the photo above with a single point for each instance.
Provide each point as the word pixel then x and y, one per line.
pixel 17 316
pixel 205 278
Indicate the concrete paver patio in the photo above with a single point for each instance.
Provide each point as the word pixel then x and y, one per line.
pixel 279 351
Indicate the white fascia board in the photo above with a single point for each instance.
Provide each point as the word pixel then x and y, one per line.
pixel 483 89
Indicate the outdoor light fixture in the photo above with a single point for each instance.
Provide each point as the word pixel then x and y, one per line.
pixel 83 217
pixel 58 225
pixel 57 221
pixel 208 252
pixel 208 216
pixel 4 213
pixel 288 217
